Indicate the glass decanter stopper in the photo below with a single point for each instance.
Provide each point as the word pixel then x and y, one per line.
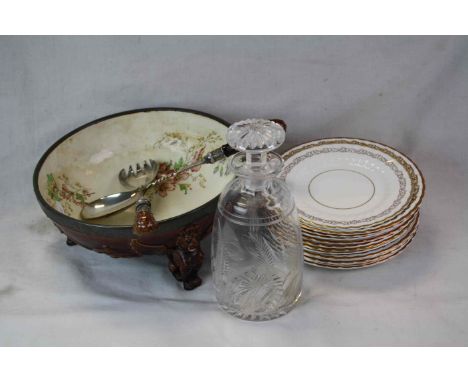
pixel 257 254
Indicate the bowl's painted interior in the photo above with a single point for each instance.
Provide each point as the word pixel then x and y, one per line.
pixel 85 166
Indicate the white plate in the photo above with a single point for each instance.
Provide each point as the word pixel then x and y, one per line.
pixel 351 184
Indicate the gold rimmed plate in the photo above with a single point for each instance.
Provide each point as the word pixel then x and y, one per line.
pixel 372 242
pixel 356 257
pixel 360 236
pixel 352 186
pixel 344 254
pixel 381 258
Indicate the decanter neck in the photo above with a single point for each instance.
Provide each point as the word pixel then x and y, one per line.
pixel 255 160
pixel 256 166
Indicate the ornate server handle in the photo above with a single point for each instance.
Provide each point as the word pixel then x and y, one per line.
pixel 144 219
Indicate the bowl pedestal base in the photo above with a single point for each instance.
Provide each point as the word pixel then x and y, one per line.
pixel 184 254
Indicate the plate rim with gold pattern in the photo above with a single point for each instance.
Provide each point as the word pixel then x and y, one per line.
pixel 413 172
pixel 378 260
pixel 319 247
pixel 340 240
pixel 351 235
pixel 313 252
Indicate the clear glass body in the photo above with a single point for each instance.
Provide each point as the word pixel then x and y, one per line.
pixel 257 256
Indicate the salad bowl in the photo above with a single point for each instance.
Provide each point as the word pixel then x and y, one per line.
pixel 84 165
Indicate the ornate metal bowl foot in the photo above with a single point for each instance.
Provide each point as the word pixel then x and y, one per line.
pixel 186 259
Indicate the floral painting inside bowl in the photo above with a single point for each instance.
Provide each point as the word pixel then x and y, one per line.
pixel 85 165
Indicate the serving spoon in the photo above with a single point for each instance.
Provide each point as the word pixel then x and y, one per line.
pixel 115 202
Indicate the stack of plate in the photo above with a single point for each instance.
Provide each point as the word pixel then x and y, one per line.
pixel 358 201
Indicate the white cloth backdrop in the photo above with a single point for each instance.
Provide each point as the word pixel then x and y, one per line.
pixel 408 92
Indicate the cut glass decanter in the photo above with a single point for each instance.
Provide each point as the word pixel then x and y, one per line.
pixel 257 254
